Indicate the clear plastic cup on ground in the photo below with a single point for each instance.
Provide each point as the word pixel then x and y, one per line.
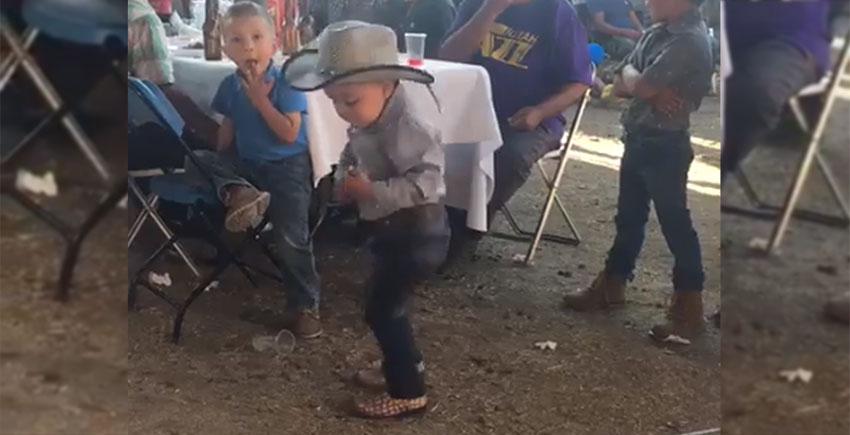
pixel 415 47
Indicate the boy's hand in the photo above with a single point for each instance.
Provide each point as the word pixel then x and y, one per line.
pixel 255 86
pixel 357 186
pixel 527 118
pixel 668 102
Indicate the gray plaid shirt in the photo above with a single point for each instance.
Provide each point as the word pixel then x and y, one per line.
pixel 401 155
pixel 675 55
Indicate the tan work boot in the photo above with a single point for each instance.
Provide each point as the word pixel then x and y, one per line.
pixel 838 309
pixel 245 207
pixel 685 319
pixel 606 291
pixel 304 323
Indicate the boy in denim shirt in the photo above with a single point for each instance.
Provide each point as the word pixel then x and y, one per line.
pixel 264 119
pixel 667 76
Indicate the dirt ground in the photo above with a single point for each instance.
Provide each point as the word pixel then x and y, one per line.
pixel 68 370
pixel 772 307
pixel 476 327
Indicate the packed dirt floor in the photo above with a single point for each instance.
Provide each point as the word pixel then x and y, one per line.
pixel 67 369
pixel 773 307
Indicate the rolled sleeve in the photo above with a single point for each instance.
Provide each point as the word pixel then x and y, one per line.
pixel 571 60
pixel 675 62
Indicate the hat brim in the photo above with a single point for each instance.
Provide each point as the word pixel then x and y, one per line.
pixel 302 73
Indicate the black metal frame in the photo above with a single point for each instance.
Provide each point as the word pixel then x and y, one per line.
pixel 73 237
pixel 225 257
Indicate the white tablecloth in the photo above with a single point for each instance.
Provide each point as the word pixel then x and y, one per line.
pixel 468 125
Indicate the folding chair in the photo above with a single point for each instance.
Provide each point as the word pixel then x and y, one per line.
pixel 175 186
pixel 91 23
pixel 96 23
pixel 835 85
pixel 561 156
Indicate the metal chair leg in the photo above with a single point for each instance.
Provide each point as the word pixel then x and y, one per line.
pixel 72 250
pixel 12 61
pixel 163 227
pixel 52 97
pixel 140 220
pixel 796 189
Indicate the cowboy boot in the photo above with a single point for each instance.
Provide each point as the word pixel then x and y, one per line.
pixel 685 318
pixel 606 291
pixel 838 309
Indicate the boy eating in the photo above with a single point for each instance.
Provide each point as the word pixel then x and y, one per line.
pixel 392 168
pixel 263 118
pixel 667 75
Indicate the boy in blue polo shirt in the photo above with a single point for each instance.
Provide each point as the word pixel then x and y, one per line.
pixel 264 119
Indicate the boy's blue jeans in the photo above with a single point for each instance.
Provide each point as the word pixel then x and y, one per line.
pixel 655 168
pixel 289 182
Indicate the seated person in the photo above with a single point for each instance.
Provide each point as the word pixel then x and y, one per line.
pixel 431 17
pixel 149 59
pixel 615 25
pixel 536 53
pixel 325 12
pixel 263 139
pixel 777 49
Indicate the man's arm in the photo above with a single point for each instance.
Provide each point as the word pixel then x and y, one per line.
pixel 566 97
pixel 602 26
pixel 635 21
pixel 466 40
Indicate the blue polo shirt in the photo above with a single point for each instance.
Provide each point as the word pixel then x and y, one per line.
pixel 254 139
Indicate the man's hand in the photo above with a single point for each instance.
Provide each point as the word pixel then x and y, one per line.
pixel 357 186
pixel 668 102
pixel 527 118
pixel 632 33
pixel 255 86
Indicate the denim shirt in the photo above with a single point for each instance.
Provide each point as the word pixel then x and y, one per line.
pixel 401 155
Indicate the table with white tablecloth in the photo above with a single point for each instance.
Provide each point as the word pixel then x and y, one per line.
pixel 465 118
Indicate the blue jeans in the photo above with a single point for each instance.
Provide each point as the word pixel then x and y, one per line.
pixel 289 182
pixel 655 168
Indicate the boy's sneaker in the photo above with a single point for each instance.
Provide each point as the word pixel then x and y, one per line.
pixel 246 207
pixel 304 323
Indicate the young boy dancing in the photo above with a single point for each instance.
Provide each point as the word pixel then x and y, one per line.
pixel 263 119
pixel 392 168
pixel 667 75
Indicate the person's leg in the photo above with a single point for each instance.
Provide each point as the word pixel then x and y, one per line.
pixel 632 210
pixel 764 79
pixel 666 177
pixel 246 204
pixel 608 289
pixel 289 181
pixel 402 259
pixel 513 163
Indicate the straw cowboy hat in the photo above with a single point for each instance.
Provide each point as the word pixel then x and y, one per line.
pixel 350 52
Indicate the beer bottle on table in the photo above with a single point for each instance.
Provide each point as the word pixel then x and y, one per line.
pixel 212 31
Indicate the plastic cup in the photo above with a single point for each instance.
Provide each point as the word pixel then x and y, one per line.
pixel 415 47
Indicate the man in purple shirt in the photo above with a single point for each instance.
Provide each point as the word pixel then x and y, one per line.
pixel 777 48
pixel 536 54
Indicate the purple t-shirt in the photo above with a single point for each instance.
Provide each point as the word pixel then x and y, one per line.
pixel 802 23
pixel 531 52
